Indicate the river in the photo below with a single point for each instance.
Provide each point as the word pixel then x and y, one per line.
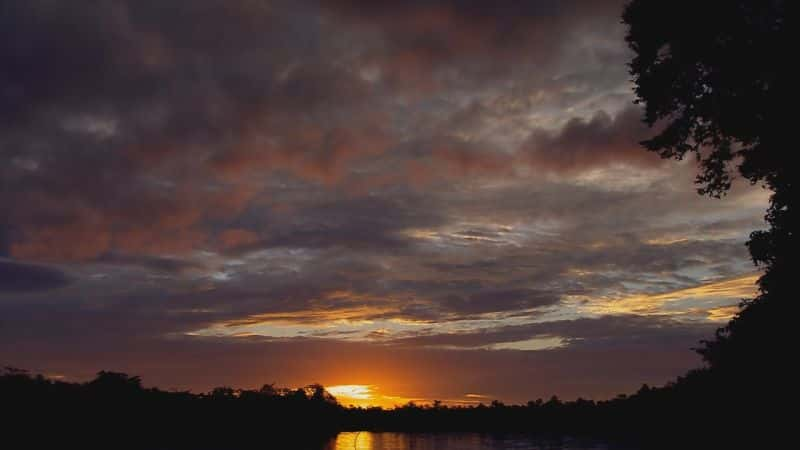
pixel 458 441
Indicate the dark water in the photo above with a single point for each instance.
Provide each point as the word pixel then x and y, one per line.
pixel 457 441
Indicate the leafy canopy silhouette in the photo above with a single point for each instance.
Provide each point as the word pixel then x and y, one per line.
pixel 713 76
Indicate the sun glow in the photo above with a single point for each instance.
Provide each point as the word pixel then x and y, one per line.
pixel 352 391
pixel 367 395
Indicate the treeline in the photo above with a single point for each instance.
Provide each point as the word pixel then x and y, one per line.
pixel 114 409
pixel 706 409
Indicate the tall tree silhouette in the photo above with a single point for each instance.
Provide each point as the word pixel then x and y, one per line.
pixel 714 75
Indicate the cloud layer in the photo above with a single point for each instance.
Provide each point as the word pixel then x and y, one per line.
pixel 436 187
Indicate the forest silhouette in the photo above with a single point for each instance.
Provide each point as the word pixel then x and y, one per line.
pixel 115 410
pixel 713 78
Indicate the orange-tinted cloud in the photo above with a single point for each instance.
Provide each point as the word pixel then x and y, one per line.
pixel 236 237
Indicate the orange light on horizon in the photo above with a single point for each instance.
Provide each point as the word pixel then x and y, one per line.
pixel 368 395
pixel 352 391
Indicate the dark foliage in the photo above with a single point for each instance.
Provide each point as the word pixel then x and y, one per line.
pixel 716 73
pixel 115 410
pixel 715 76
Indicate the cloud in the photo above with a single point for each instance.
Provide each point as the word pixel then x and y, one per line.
pixel 16 277
pixel 701 299
pixel 426 187
pixel 154 263
pixel 153 133
pixel 418 41
pixel 594 332
pixel 590 144
pixel 151 128
pixel 495 300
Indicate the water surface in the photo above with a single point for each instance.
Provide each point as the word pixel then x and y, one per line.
pixel 457 441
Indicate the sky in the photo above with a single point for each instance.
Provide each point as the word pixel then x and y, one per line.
pixel 415 200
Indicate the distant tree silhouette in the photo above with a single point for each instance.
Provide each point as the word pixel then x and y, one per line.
pixel 268 390
pixel 116 382
pixel 319 394
pixel 222 393
pixel 115 410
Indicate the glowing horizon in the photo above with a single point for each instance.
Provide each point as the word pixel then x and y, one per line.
pixel 365 396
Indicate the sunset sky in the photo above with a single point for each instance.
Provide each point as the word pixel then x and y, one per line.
pixel 405 200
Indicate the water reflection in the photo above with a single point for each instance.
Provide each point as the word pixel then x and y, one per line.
pixel 454 441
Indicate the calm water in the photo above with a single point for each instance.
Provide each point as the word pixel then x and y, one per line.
pixel 456 441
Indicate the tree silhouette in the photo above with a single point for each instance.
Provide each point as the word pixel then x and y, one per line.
pixel 114 409
pixel 715 71
pixel 116 382
pixel 714 76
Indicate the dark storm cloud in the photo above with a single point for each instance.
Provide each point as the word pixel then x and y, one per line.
pixel 15 277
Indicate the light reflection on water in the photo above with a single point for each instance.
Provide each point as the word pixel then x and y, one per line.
pixel 453 441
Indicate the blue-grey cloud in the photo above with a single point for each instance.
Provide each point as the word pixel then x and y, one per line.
pixel 16 277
